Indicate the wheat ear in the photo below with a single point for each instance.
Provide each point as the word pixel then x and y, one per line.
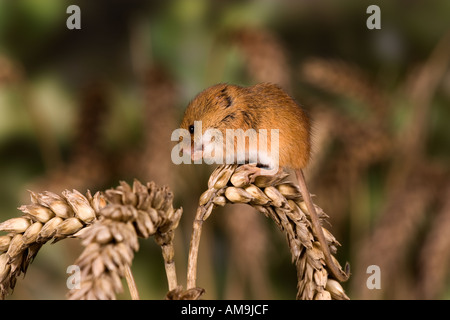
pixel 48 217
pixel 280 200
pixel 108 223
pixel 111 241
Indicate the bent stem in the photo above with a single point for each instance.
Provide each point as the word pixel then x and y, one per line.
pixel 169 265
pixel 193 250
pixel 282 201
pixel 131 283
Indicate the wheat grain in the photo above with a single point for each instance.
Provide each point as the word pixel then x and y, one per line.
pixel 129 212
pixel 107 223
pixel 280 200
pixel 48 217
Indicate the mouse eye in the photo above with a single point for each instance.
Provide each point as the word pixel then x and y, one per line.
pixel 191 128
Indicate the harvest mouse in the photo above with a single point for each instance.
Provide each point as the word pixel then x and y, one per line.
pixel 264 106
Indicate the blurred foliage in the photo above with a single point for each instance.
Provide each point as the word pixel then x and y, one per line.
pixel 86 108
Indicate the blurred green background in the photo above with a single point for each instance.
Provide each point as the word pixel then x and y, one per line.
pixel 87 108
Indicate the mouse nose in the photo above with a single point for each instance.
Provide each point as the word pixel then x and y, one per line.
pixel 197 147
pixel 197 153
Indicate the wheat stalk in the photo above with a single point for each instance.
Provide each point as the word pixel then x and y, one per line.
pixel 48 217
pixel 108 223
pixel 280 200
pixel 111 241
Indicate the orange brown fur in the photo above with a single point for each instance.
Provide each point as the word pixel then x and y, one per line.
pixel 262 106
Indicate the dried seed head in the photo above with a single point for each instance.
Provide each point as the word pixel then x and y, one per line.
pixel 303 206
pixel 151 187
pixel 31 234
pixel 68 227
pixel 98 267
pixel 144 224
pixel 56 203
pixel 275 195
pixel 176 218
pixel 4 242
pixel 240 178
pixel 114 196
pixel 119 212
pixel 220 176
pixel 295 213
pixel 16 225
pixel 322 295
pixel 336 290
pixel 139 188
pixel 15 246
pixel 49 229
pixel 320 278
pixel 207 212
pixel 158 199
pixel 168 200
pixel 266 181
pixel 154 215
pixel 330 238
pixel 33 197
pixel 4 267
pixel 125 253
pixel 110 241
pixel 281 201
pixel 80 205
pixel 237 195
pixel 37 212
pixel 259 198
pixel 223 179
pixel 289 190
pixel 220 201
pixel 103 235
pixel 144 201
pixel 97 202
pixel 165 225
pixel 304 234
pixel 206 196
pixel 128 196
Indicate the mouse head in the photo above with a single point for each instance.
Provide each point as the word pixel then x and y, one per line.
pixel 214 108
